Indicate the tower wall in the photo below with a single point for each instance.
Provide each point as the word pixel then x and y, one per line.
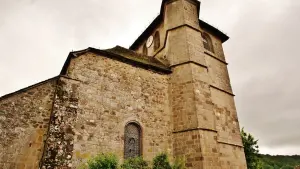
pixel 205 124
pixel 151 51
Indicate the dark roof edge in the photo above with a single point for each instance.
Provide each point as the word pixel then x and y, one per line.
pixel 214 30
pixel 28 88
pixel 112 56
pixel 130 61
pixel 146 32
pixel 160 18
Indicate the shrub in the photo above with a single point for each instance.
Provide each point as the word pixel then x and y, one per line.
pixel 179 164
pixel 161 161
pixel 109 161
pixel 135 163
pixel 103 161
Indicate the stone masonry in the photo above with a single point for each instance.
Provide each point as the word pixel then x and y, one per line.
pixel 178 92
pixel 24 120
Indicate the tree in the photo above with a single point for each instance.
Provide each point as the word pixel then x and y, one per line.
pixel 251 151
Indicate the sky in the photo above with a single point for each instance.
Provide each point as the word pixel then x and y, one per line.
pixel 37 35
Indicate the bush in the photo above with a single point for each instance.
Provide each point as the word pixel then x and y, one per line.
pixel 109 161
pixel 179 164
pixel 135 163
pixel 161 161
pixel 103 161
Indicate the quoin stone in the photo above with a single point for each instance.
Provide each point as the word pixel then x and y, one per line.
pixel 169 92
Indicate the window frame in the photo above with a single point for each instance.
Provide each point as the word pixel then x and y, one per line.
pixel 145 49
pixel 139 127
pixel 207 42
pixel 156 40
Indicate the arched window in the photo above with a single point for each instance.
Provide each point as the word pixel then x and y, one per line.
pixel 207 42
pixel 145 50
pixel 132 141
pixel 156 40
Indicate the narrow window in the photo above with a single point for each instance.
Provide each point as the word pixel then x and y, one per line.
pixel 145 50
pixel 132 141
pixel 156 40
pixel 207 42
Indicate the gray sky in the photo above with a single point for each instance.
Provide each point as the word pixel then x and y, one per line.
pixel 37 35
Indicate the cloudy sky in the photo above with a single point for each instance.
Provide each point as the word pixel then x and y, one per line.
pixel 37 35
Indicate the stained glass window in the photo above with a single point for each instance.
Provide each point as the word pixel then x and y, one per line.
pixel 132 140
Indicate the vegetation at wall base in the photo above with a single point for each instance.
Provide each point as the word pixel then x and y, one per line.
pixel 110 161
pixel 161 161
pixel 103 161
pixel 135 163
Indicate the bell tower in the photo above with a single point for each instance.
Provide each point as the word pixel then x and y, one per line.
pixel 205 123
pixel 194 123
pixel 205 127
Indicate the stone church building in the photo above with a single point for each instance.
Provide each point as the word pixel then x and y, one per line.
pixel 169 92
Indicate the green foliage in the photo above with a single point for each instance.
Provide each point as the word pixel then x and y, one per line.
pixel 161 161
pixel 257 161
pixel 251 151
pixel 135 163
pixel 103 161
pixel 109 161
pixel 279 161
pixel 179 164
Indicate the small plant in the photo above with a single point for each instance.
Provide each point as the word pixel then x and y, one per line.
pixel 103 161
pixel 135 163
pixel 161 161
pixel 110 161
pixel 179 164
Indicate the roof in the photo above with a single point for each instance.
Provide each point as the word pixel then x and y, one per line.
pixel 124 55
pixel 214 30
pixel 118 53
pixel 159 19
pixel 28 88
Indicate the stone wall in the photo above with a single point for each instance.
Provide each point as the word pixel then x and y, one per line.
pixel 232 157
pixel 111 94
pixel 219 74
pixel 227 124
pixel 60 141
pixel 24 119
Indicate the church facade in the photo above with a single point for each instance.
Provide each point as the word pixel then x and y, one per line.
pixel 169 92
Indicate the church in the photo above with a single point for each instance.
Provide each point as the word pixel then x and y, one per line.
pixel 169 92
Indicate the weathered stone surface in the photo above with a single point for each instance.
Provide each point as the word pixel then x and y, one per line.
pixel 60 141
pixel 111 94
pixel 24 119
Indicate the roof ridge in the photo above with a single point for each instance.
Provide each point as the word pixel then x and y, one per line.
pixel 122 54
pixel 28 87
pixel 119 50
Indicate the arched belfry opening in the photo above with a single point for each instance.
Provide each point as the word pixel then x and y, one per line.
pixel 156 40
pixel 132 140
pixel 145 50
pixel 207 42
